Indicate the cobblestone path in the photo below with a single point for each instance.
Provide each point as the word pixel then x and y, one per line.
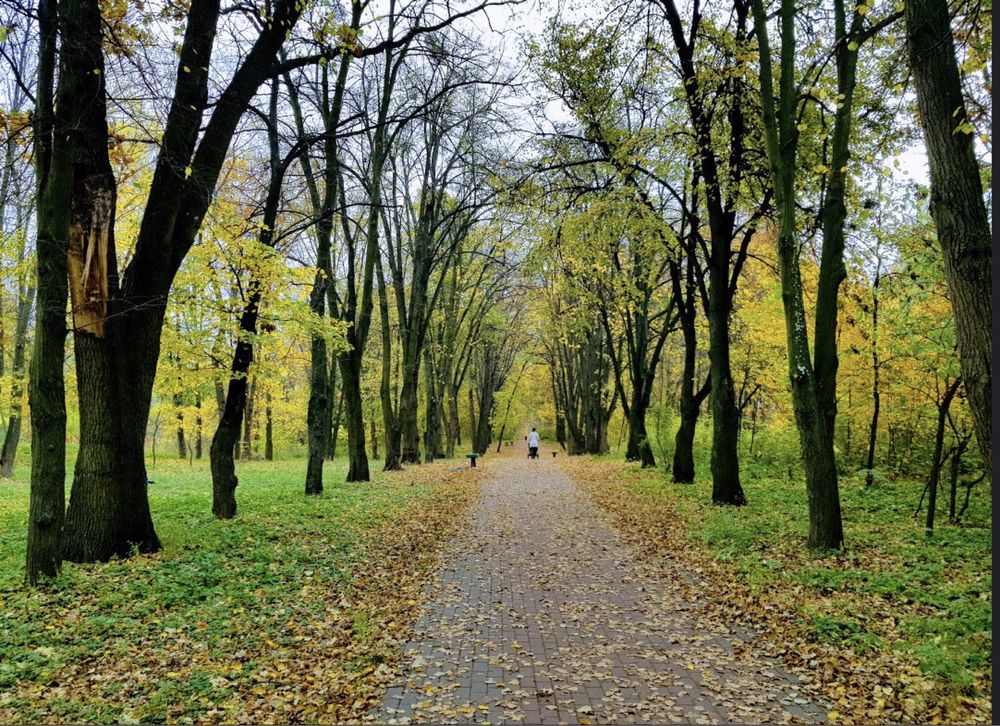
pixel 542 614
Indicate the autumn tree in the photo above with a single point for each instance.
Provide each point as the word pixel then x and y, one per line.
pixel 812 373
pixel 16 254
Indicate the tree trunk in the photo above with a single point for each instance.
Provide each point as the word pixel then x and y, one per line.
pixel 390 420
pixel 638 448
pixel 956 467
pixel 248 416
pixel 683 463
pixel 454 428
pixel 956 203
pixel 726 488
pixel 472 421
pixel 319 392
pixel 432 426
pixel 937 460
pixel 333 410
pixel 350 374
pixel 12 437
pixel 118 333
pixel 725 458
pixel 873 427
pixel 46 389
pixel 197 427
pixel 108 512
pixel 224 480
pixel 268 432
pixel 410 452
pixel 813 389
pixel 335 435
pixel 220 398
pixel 181 446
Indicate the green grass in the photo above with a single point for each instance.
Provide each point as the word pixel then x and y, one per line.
pixel 250 584
pixel 940 586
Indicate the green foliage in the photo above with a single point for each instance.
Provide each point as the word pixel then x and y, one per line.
pixel 938 589
pixel 218 586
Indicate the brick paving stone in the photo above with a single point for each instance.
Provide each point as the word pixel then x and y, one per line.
pixel 542 614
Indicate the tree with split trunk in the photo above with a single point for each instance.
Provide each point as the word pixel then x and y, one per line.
pixel 813 374
pixel 734 200
pixel 118 317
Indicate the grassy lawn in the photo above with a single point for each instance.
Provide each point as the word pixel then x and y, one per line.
pixel 897 627
pixel 292 611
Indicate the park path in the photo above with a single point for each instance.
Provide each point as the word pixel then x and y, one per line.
pixel 542 614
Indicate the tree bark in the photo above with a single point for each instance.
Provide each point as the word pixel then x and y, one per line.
pixel 432 424
pixel 957 204
pixel 108 513
pixel 682 468
pixel 390 421
pixel 198 436
pixel 937 459
pixel 357 469
pixel 248 419
pixel 726 487
pixel 876 391
pixel 54 175
pixel 319 401
pixel 813 388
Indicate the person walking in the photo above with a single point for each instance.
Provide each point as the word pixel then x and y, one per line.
pixel 533 444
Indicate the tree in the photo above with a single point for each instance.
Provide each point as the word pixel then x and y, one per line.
pixel 224 440
pixel 56 138
pixel 603 157
pixel 956 202
pixel 813 374
pixel 724 187
pixel 444 158
pixel 354 304
pixel 16 203
pixel 580 367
